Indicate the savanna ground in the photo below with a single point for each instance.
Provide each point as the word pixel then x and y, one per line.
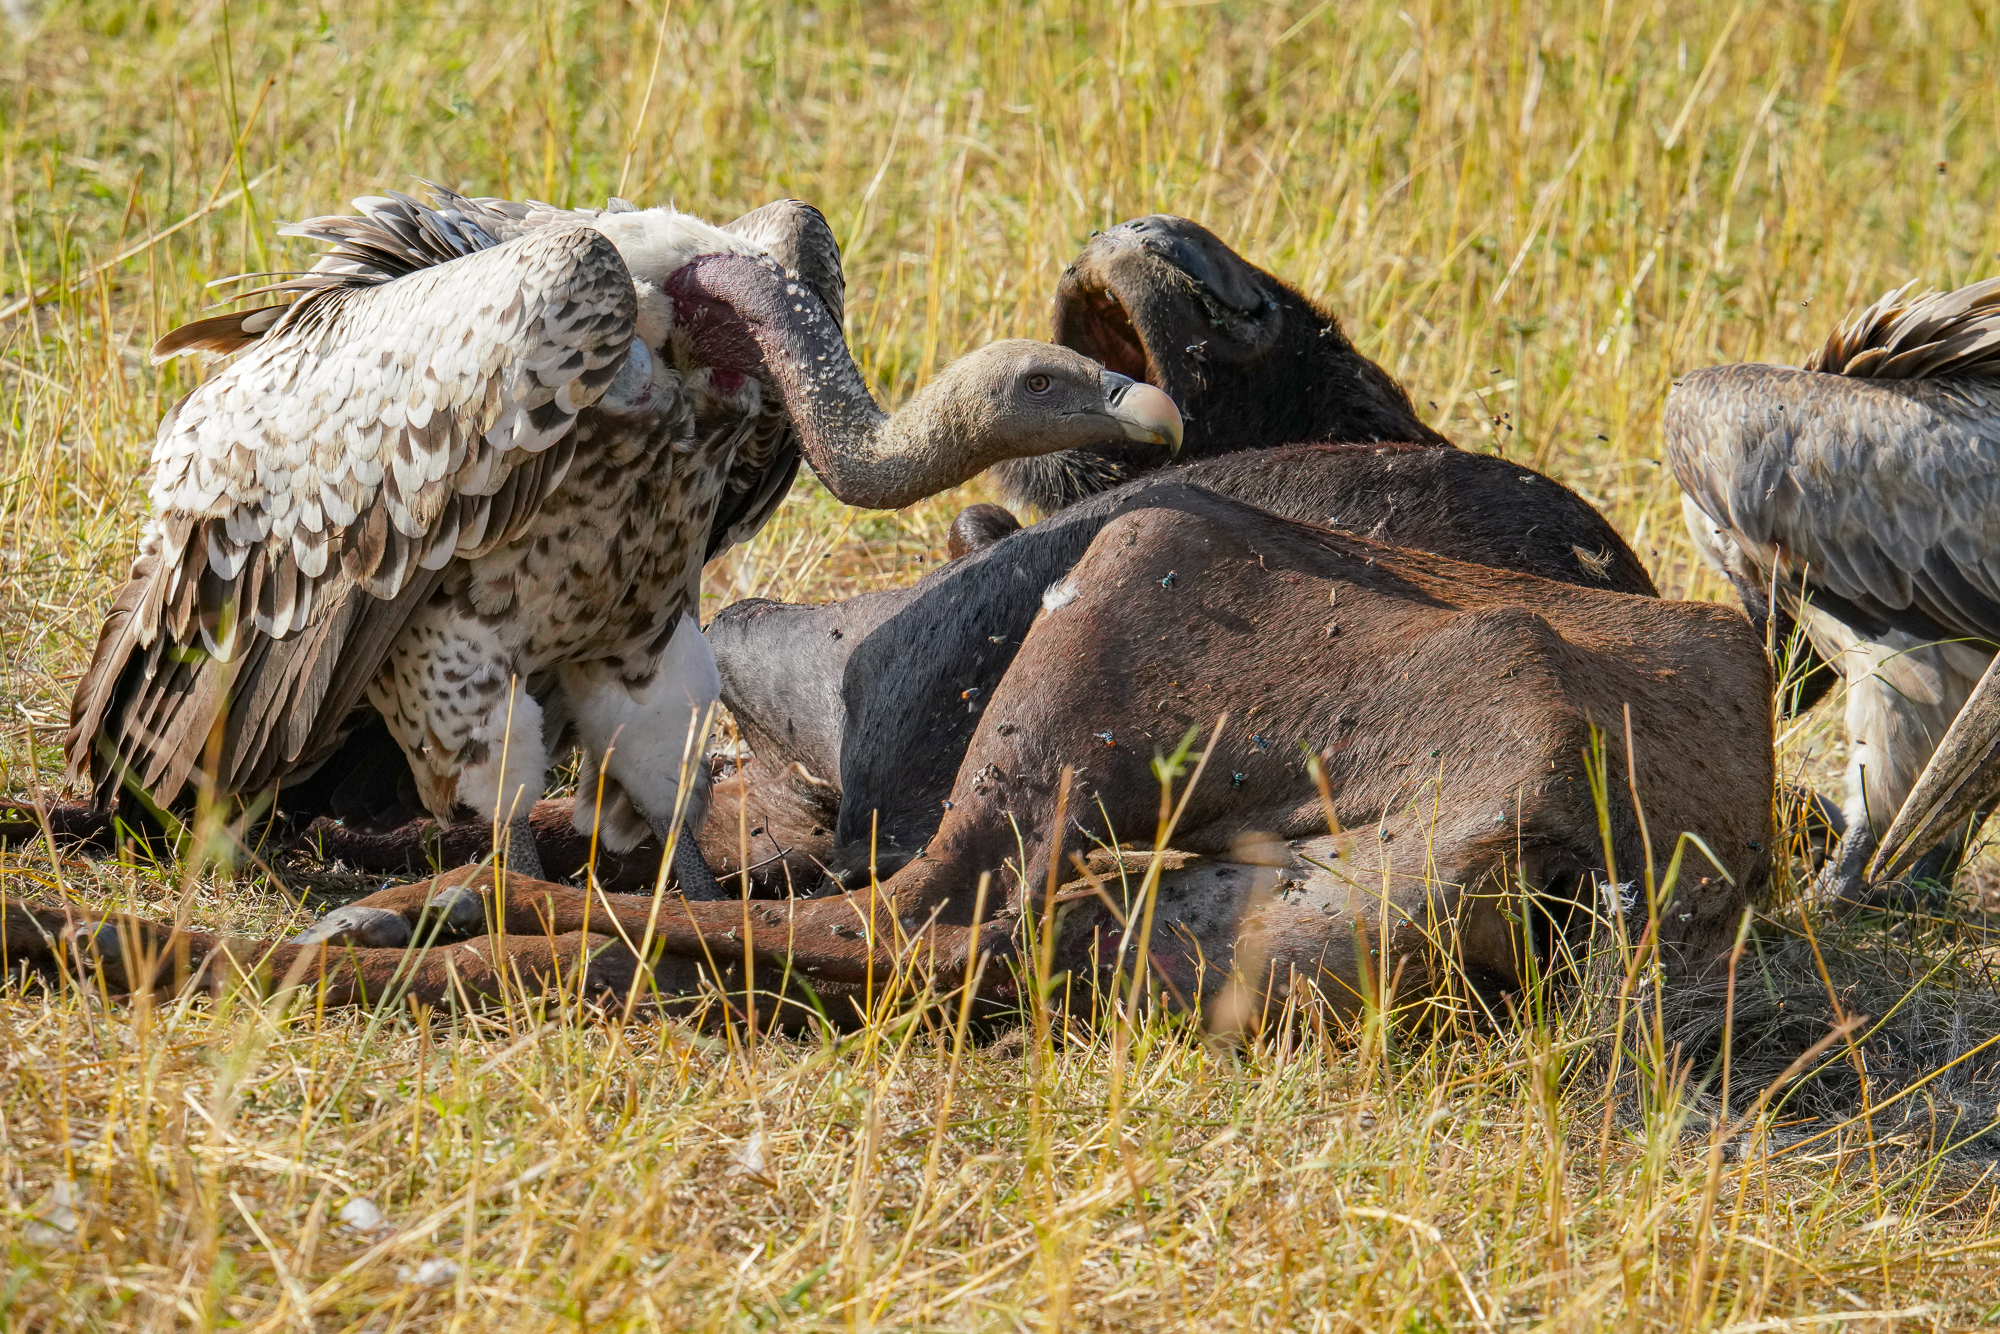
pixel 1534 214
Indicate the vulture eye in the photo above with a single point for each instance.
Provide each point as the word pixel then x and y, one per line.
pixel 1039 383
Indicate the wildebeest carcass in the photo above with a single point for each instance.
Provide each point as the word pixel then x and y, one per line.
pixel 1451 709
pixel 858 712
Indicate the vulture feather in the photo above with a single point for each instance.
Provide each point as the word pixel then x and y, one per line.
pixel 1864 491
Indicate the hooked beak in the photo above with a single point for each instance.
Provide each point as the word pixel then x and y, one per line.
pixel 1142 412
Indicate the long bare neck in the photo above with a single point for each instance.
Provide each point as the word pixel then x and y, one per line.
pixel 864 456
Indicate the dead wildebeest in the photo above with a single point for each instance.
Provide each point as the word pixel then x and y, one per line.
pixel 858 713
pixel 1450 707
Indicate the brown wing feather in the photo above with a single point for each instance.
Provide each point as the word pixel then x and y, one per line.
pixel 307 496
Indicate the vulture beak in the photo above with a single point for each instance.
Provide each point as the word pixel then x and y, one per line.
pixel 1962 777
pixel 1142 412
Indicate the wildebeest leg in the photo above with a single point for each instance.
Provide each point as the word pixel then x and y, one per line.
pixel 423 845
pixel 844 939
pixel 687 964
pixel 130 954
pixel 778 818
pixel 80 821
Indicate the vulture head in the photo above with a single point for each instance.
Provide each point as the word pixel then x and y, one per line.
pixel 1250 361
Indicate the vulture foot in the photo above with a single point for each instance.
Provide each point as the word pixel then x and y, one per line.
pixel 1844 877
pixel 1849 883
pixel 396 917
pixel 691 874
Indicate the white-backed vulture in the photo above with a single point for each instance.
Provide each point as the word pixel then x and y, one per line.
pixel 1862 493
pixel 468 476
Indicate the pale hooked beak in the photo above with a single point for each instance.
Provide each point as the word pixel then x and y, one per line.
pixel 1142 412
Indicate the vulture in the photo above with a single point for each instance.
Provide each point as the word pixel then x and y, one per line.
pixel 1860 495
pixel 463 475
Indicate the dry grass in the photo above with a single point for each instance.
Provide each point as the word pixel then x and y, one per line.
pixel 1534 214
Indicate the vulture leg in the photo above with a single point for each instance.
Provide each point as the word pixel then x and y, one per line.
pixel 522 856
pixel 697 883
pixel 1962 779
pixel 1844 877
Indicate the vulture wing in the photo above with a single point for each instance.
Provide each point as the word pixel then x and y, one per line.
pixel 1869 481
pixel 795 234
pixel 414 404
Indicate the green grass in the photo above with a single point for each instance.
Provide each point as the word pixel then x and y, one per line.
pixel 1533 214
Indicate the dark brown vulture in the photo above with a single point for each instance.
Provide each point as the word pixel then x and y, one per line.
pixel 467 477
pixel 1863 491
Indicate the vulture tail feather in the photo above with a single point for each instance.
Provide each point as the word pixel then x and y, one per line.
pixel 1934 334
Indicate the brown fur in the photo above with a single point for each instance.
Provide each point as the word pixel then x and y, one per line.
pixel 1450 705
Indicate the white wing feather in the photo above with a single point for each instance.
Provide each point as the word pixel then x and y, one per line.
pixel 361 434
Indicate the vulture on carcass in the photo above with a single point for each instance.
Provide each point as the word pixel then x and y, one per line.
pixel 466 478
pixel 1861 496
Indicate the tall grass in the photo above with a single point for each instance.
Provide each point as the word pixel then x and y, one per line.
pixel 1534 214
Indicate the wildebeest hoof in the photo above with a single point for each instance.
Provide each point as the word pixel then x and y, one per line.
pixel 95 941
pixel 358 924
pixel 457 912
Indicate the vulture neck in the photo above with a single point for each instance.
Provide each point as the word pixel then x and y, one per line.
pixel 865 456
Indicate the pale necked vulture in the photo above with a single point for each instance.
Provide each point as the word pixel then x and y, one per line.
pixel 467 478
pixel 1861 494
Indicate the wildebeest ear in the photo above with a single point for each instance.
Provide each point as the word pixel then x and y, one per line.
pixel 978 527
